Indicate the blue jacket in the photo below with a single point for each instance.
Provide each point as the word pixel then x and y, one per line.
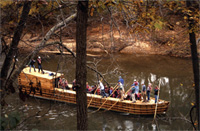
pixel 144 88
pixel 133 90
pixel 136 87
pixel 121 80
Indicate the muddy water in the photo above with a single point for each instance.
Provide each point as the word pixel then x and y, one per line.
pixel 176 86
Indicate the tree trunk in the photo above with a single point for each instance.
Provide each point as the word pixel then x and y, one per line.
pixel 15 41
pixel 81 72
pixel 195 62
pixel 41 46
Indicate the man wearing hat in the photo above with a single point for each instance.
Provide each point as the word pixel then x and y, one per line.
pixel 39 61
pixel 121 80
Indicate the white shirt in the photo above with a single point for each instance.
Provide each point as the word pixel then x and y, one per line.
pixel 101 86
pixel 121 86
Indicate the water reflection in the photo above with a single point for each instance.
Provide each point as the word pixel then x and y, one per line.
pixel 176 86
pixel 129 125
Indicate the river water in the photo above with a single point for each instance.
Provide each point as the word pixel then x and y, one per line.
pixel 176 86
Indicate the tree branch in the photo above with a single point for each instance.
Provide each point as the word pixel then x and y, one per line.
pixel 42 45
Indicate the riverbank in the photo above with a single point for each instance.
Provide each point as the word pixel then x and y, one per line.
pixel 136 47
pixel 101 38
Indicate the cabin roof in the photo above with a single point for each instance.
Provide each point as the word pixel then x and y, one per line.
pixel 45 75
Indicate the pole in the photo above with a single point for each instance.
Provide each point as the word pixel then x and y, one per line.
pixel 93 95
pixel 119 100
pixel 157 100
pixel 107 98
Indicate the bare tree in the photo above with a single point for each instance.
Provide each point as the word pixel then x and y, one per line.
pixel 13 46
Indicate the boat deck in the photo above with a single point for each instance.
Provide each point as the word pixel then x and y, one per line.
pixel 39 74
pixel 138 102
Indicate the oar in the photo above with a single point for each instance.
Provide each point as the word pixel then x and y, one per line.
pixel 115 88
pixel 157 100
pixel 93 95
pixel 119 100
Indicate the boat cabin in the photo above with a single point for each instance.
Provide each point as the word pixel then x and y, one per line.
pixel 48 80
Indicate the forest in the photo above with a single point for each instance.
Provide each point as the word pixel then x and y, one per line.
pixel 100 29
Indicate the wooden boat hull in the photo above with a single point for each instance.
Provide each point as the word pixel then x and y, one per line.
pixel 69 96
pixel 127 106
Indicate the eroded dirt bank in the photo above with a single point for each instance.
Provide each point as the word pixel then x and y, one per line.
pixel 120 46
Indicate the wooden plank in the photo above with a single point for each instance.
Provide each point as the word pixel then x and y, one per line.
pixel 45 83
